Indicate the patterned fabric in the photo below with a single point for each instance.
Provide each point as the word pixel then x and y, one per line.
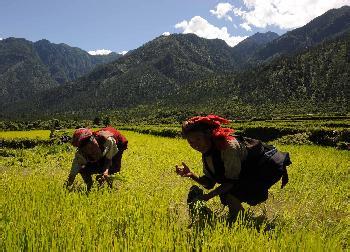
pixel 106 132
pixel 110 149
pixel 220 135
pixel 212 120
pixel 81 135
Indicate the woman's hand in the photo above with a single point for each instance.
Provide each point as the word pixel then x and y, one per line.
pixel 205 197
pixel 183 170
pixel 105 174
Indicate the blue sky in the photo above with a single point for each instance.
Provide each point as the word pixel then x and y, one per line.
pixel 124 25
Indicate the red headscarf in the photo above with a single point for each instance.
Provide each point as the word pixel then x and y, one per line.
pixel 219 135
pixel 80 135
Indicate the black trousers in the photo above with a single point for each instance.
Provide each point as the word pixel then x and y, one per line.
pixel 249 191
pixel 98 168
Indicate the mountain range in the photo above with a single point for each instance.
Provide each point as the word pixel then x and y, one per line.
pixel 304 70
pixel 27 68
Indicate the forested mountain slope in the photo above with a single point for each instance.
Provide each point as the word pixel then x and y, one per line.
pixel 307 72
pixel 27 68
pixel 328 26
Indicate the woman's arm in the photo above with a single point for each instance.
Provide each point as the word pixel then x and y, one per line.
pixel 110 150
pixel 185 171
pixel 222 189
pixel 73 173
pixel 78 162
pixel 106 166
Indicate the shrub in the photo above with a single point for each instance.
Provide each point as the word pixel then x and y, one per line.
pixel 299 139
pixel 23 143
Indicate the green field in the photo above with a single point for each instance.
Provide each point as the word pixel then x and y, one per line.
pixel 32 134
pixel 146 209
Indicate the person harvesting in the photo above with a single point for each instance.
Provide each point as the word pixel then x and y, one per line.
pixel 98 152
pixel 244 168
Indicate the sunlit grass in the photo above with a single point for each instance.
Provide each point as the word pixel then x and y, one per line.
pixel 32 134
pixel 147 209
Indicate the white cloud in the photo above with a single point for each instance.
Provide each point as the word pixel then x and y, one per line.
pixel 204 29
pixel 221 11
pixel 246 26
pixel 285 14
pixel 166 33
pixel 100 52
pixel 123 52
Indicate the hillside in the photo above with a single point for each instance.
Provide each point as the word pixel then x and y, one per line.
pixel 183 71
pixel 27 68
pixel 144 75
pixel 22 74
pixel 328 26
pixel 67 63
pixel 248 47
pixel 314 81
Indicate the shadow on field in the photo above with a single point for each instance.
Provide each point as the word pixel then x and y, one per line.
pixel 78 188
pixel 81 189
pixel 202 216
pixel 260 223
pixel 202 220
pixel 112 184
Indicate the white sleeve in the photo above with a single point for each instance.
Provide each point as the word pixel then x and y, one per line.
pixel 110 148
pixel 232 158
pixel 77 163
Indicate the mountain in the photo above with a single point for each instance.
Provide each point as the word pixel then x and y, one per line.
pixel 148 73
pixel 27 68
pixel 168 65
pixel 162 66
pixel 184 71
pixel 312 81
pixel 246 48
pixel 328 26
pixel 22 74
pixel 66 63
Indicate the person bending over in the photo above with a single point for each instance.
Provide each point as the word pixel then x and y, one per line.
pixel 244 168
pixel 98 152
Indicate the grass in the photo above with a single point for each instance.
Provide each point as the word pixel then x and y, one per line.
pixel 32 134
pixel 146 209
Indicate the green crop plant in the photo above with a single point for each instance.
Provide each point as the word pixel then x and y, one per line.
pixel 30 134
pixel 146 208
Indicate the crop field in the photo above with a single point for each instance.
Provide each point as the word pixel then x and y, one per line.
pixel 146 208
pixel 32 134
pixel 324 132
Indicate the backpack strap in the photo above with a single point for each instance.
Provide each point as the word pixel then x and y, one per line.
pixel 219 168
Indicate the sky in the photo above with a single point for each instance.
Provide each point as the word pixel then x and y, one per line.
pixel 102 26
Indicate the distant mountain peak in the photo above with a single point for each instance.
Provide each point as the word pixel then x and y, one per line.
pixel 43 41
pixel 262 38
pixel 246 48
pixel 330 25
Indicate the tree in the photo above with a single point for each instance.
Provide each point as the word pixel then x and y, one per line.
pixel 97 121
pixel 106 121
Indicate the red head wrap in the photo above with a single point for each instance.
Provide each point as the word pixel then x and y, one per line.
pixel 80 135
pixel 219 135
